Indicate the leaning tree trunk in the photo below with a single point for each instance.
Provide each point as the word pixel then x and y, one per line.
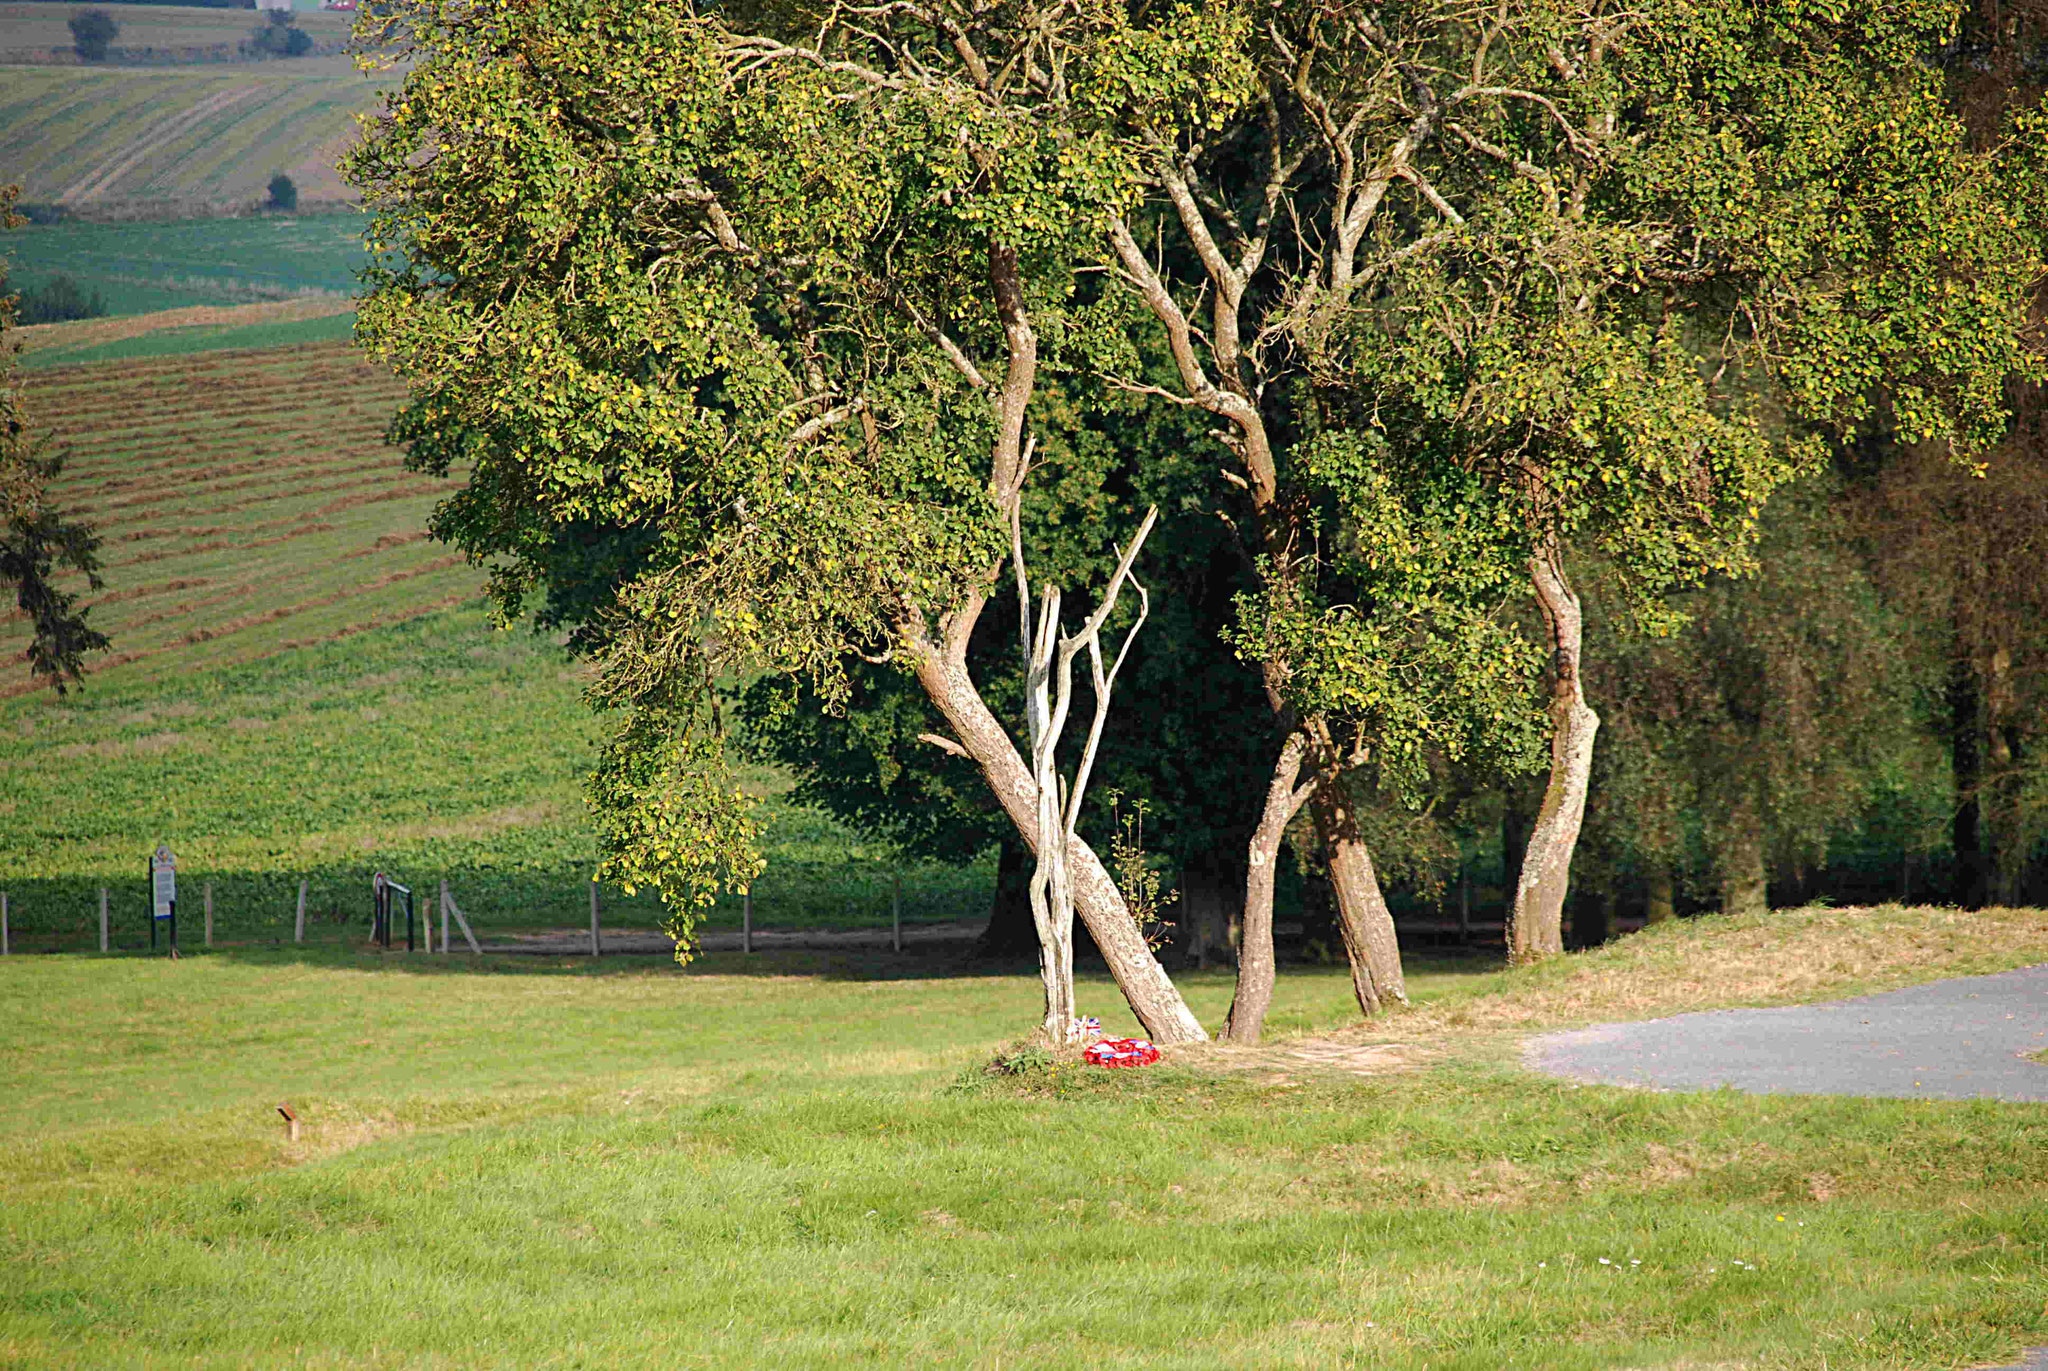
pixel 1536 924
pixel 1097 901
pixel 1255 948
pixel 1363 918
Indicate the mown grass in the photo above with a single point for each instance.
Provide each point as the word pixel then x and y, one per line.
pixel 192 141
pixel 791 1162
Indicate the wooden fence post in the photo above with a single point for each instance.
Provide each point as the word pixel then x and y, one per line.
pixel 5 949
pixel 103 918
pixel 444 916
pixel 596 946
pixel 747 920
pixel 209 913
pixel 299 925
pixel 896 911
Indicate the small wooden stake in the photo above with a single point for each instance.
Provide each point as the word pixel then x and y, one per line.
pixel 291 1122
pixel 209 913
pixel 444 916
pixel 5 949
pixel 103 918
pixel 747 921
pixel 896 912
pixel 299 928
pixel 596 947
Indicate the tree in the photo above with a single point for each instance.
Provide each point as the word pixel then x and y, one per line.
pixel 1655 255
pixel 92 33
pixel 769 327
pixel 284 195
pixel 1748 738
pixel 37 539
pixel 277 36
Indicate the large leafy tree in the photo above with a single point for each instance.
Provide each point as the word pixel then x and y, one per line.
pixel 781 318
pixel 1492 285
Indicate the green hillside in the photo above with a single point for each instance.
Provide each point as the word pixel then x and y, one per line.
pixel 179 141
pixel 143 267
pixel 303 686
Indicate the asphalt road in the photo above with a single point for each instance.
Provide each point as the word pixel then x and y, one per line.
pixel 1961 1039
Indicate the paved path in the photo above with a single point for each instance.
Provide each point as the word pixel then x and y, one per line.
pixel 1961 1039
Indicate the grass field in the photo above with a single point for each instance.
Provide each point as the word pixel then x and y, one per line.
pixel 304 687
pixel 143 267
pixel 40 29
pixel 182 141
pixel 790 1161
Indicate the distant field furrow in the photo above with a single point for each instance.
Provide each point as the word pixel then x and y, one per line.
pixel 209 633
pixel 282 477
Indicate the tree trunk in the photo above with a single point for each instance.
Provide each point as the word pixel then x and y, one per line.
pixel 1362 914
pixel 1744 882
pixel 1010 932
pixel 1255 949
pixel 1661 906
pixel 1210 892
pixel 1966 757
pixel 1099 903
pixel 1536 925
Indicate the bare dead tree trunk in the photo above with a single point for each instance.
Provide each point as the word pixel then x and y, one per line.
pixel 1255 949
pixel 1536 925
pixel 1097 901
pixel 1048 695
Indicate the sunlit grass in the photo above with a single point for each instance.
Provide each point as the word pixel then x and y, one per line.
pixel 790 1162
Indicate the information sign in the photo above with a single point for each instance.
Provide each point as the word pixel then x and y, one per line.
pixel 163 881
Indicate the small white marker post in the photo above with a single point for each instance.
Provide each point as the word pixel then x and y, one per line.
pixel 596 947
pixel 299 924
pixel 896 911
pixel 209 913
pixel 103 918
pixel 747 920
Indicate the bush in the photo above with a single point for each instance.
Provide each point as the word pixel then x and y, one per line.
pixel 92 33
pixel 276 37
pixel 63 298
pixel 283 194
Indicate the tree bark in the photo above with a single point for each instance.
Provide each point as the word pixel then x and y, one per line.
pixel 1144 982
pixel 1255 949
pixel 1362 914
pixel 1661 906
pixel 1536 925
pixel 1744 881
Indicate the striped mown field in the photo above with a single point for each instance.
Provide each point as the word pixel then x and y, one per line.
pixel 247 502
pixel 35 30
pixel 197 139
pixel 302 686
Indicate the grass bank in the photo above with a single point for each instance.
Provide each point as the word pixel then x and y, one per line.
pixel 790 1162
